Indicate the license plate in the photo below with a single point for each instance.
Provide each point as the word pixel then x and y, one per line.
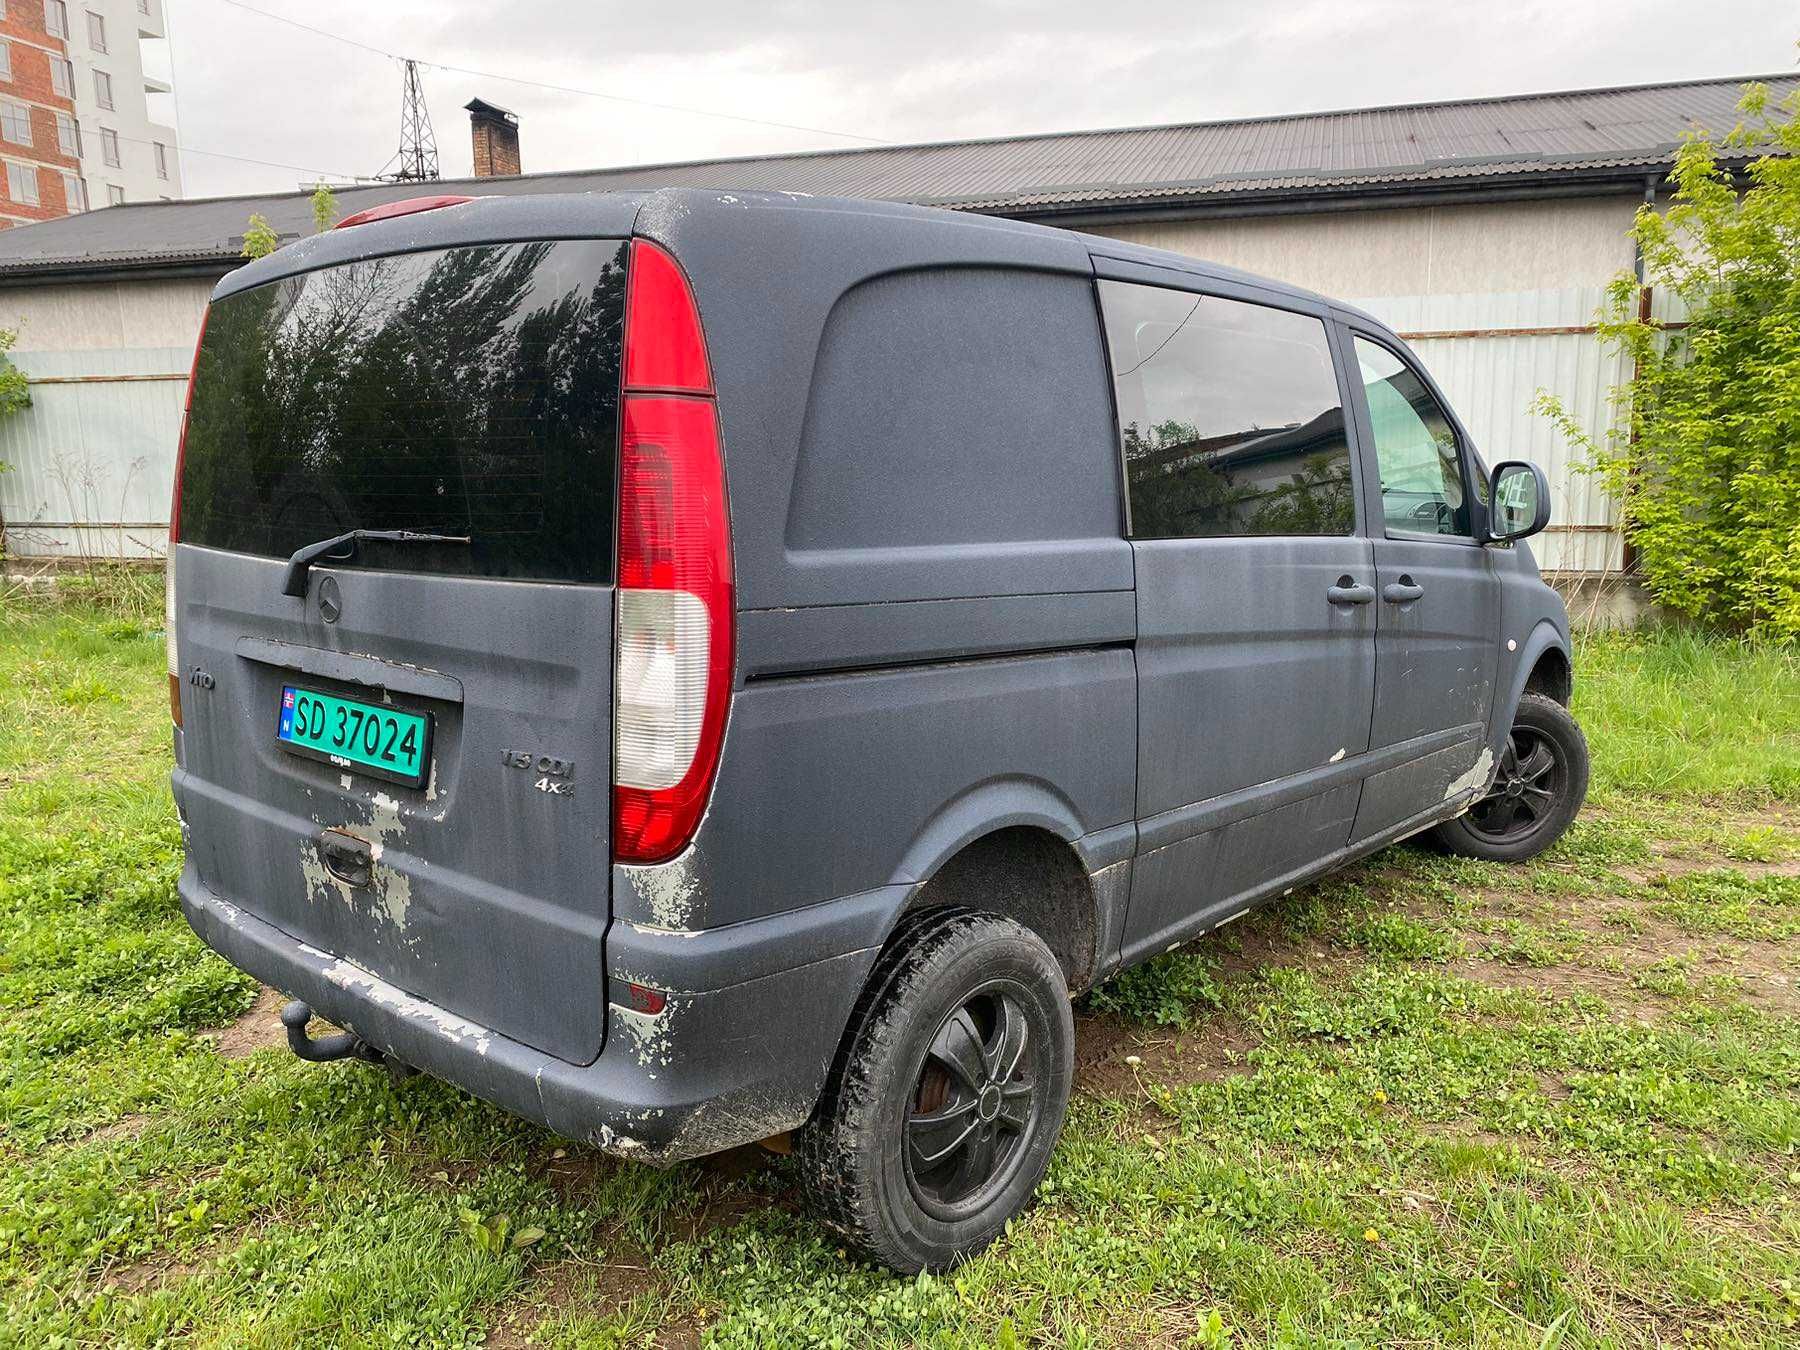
pixel 384 742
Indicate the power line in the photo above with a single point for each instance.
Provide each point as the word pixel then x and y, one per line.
pixel 310 169
pixel 555 88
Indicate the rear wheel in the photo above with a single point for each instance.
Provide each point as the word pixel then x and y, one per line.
pixel 1538 787
pixel 940 1114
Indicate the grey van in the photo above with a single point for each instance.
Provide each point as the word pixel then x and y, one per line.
pixel 697 668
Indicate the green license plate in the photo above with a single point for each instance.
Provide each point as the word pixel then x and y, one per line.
pixel 384 742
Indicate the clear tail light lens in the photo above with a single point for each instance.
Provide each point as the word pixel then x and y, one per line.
pixel 663 642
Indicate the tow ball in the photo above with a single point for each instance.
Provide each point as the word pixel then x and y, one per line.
pixel 324 1049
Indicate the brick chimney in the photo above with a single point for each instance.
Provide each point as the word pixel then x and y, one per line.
pixel 496 136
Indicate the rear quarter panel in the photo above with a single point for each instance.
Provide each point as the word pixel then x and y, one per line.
pixel 934 590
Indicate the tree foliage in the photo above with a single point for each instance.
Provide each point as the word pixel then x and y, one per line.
pixel 15 395
pixel 324 208
pixel 1706 460
pixel 260 239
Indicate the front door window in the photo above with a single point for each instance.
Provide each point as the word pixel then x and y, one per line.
pixel 1415 448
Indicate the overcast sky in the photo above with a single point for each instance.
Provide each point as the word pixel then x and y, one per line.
pixel 928 70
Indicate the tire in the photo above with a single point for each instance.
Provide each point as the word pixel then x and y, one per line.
pixel 1537 790
pixel 908 1074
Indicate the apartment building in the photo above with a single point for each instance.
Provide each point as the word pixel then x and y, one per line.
pixel 76 125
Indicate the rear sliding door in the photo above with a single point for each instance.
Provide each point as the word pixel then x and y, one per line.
pixel 1256 633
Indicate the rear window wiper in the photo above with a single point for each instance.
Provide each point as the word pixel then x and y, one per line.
pixel 299 566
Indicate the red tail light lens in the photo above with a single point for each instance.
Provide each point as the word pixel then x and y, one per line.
pixel 388 210
pixel 676 626
pixel 664 348
pixel 187 411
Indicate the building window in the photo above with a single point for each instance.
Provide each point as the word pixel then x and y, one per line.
pixel 96 31
pixel 62 76
pixel 74 193
pixel 162 159
pixel 103 89
pixel 109 146
pixel 21 183
pixel 115 195
pixel 5 57
pixel 56 18
pixel 15 123
pixel 68 135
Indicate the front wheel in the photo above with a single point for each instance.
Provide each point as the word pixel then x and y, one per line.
pixel 939 1116
pixel 1537 789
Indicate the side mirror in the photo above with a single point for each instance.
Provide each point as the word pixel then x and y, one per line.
pixel 1518 501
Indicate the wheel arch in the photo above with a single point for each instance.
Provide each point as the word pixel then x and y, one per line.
pixel 1552 675
pixel 1543 658
pixel 1028 871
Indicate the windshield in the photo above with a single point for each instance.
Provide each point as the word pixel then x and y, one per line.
pixel 466 391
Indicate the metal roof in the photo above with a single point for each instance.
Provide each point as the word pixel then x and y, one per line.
pixel 1522 143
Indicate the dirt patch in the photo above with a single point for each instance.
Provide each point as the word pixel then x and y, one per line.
pixel 730 1185
pixel 125 1127
pixel 726 1186
pixel 599 1289
pixel 1667 866
pixel 1116 1058
pixel 1245 951
pixel 258 1029
pixel 1562 982
pixel 143 1275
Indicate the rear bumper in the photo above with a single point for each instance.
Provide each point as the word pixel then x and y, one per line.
pixel 718 1067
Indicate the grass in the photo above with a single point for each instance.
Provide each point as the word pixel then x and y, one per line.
pixel 1424 1101
pixel 1687 715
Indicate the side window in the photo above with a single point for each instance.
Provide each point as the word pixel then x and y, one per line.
pixel 1415 448
pixel 1229 416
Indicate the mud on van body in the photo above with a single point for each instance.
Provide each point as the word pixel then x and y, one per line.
pixel 693 666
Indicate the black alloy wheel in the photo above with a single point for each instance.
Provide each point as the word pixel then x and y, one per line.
pixel 1537 789
pixel 1525 791
pixel 945 1100
pixel 973 1106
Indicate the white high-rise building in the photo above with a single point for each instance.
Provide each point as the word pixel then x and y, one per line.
pixel 127 146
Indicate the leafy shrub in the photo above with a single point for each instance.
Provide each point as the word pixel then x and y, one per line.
pixel 1707 463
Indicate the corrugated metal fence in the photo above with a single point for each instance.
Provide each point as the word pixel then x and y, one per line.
pixel 93 457
pixel 1493 354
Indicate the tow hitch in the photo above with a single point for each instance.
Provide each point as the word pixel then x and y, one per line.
pixel 297 1014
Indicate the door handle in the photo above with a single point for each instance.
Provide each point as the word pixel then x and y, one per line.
pixel 1402 592
pixel 1348 592
pixel 349 859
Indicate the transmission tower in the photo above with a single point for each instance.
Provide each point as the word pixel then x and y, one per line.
pixel 417 159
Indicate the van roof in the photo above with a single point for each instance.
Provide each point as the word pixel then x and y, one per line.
pixel 958 237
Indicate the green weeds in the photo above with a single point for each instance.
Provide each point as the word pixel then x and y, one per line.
pixel 1588 1137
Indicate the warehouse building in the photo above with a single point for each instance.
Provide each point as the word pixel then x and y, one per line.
pixel 1484 230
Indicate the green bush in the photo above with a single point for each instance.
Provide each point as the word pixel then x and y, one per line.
pixel 1706 465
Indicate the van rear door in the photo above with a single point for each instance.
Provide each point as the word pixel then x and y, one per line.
pixel 406 764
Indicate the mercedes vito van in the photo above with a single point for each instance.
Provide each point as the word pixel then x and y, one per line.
pixel 705 667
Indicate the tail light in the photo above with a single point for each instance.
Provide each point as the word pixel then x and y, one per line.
pixel 672 678
pixel 175 534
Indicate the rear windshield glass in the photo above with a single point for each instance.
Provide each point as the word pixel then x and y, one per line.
pixel 464 391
